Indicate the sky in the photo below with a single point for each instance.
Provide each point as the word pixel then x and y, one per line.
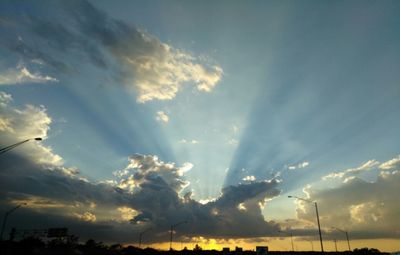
pixel 209 112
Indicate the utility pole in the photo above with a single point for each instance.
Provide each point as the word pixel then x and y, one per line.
pixel 141 235
pixel 172 230
pixel 291 238
pixel 347 236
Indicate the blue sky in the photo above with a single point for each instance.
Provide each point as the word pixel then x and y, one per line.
pixel 244 92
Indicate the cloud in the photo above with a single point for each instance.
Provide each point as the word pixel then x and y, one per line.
pixel 391 164
pixel 299 165
pixel 249 178
pixel 26 123
pixel 143 168
pixel 127 213
pixel 22 75
pixel 161 116
pixel 133 57
pixel 161 72
pixel 193 141
pixel 147 192
pixel 87 216
pixel 233 141
pixel 367 166
pixel 367 209
pixel 37 202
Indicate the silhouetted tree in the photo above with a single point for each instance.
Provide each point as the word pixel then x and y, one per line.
pixel 197 248
pixel 30 245
pixel 366 251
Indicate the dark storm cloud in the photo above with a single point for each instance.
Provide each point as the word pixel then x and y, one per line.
pixel 156 194
pixel 57 194
pixel 54 182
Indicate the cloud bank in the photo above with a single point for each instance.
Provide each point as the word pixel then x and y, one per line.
pixel 147 194
pixel 130 56
pixel 368 209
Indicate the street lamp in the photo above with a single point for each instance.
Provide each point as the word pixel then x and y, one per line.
pixel 347 236
pixel 141 234
pixel 172 230
pixel 291 237
pixel 312 245
pixel 12 146
pixel 6 217
pixel 316 210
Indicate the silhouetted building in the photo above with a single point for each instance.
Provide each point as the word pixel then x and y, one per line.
pixel 262 250
pixel 225 251
pixel 238 250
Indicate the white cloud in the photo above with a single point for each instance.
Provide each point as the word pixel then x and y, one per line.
pixel 391 164
pixel 207 200
pixel 333 175
pixel 21 75
pixel 27 123
pixel 156 70
pixel 299 165
pixel 193 141
pixel 233 141
pixel 159 71
pixel 367 166
pixel 161 116
pixel 140 166
pixel 249 178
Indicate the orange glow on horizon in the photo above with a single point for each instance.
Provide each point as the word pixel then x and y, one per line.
pixel 279 244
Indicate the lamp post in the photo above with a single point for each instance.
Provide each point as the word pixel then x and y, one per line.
pixel 140 236
pixel 347 236
pixel 335 241
pixel 172 230
pixel 316 210
pixel 12 146
pixel 291 237
pixel 6 217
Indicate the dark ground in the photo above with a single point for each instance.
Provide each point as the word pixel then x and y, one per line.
pixel 32 246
